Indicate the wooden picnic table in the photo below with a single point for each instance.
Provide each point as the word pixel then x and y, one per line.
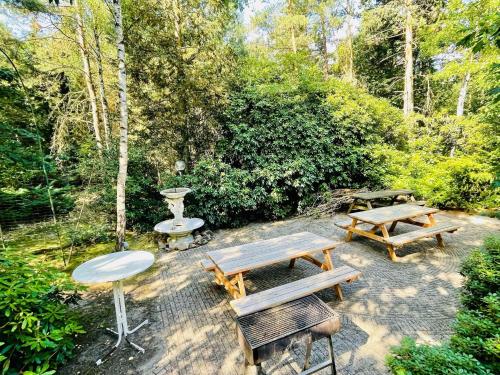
pixel 233 262
pixel 366 201
pixel 406 213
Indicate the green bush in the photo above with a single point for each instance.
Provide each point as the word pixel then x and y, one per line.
pixel 412 359
pixel 89 234
pixel 474 347
pixel 222 196
pixel 459 182
pixel 477 330
pixel 482 274
pixel 285 138
pixel 28 205
pixel 145 206
pixel 37 327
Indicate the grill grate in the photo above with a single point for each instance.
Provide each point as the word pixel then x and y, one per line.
pixel 266 326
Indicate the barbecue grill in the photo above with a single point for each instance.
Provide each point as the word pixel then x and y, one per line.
pixel 265 333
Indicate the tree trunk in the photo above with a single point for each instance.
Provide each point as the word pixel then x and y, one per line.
pixel 408 83
pixel 123 156
pixel 463 94
pixel 460 106
pixel 102 91
pixel 324 45
pixel 350 53
pixel 88 78
pixel 292 28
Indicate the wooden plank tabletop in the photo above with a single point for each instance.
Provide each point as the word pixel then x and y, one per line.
pixel 389 214
pixel 236 259
pixel 382 194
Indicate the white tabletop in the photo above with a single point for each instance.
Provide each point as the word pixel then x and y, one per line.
pixel 113 267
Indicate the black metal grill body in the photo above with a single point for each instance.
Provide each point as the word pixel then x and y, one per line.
pixel 266 333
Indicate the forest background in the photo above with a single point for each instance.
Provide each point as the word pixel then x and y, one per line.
pixel 270 104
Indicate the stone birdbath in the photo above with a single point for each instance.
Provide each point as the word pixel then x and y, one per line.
pixel 179 229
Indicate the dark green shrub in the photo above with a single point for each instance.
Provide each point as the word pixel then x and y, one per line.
pixel 90 234
pixel 36 326
pixel 482 274
pixel 32 204
pixel 412 359
pixel 474 348
pixel 145 207
pixel 477 331
pixel 284 139
pixel 222 196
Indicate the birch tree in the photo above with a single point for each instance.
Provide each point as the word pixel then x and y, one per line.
pixel 121 219
pixel 408 60
pixel 87 73
pixel 102 89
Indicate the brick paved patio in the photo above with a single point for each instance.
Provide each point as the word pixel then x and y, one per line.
pixel 192 329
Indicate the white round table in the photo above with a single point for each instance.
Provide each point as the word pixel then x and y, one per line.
pixel 114 268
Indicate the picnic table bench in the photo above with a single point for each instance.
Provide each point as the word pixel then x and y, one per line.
pixel 230 264
pixel 366 201
pixel 405 213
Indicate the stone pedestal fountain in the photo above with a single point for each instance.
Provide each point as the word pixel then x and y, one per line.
pixel 179 229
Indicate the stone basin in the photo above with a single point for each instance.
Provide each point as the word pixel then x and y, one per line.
pixel 175 193
pixel 180 236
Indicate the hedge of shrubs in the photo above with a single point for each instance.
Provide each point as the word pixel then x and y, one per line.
pixel 474 348
pixel 37 328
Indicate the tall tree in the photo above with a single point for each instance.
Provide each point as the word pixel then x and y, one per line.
pixel 87 73
pixel 102 90
pixel 121 219
pixel 349 10
pixel 408 60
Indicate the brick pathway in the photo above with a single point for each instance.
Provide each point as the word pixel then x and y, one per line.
pixel 193 328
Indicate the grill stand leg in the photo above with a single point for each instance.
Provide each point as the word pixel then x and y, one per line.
pixel 252 369
pixel 307 361
pixel 332 355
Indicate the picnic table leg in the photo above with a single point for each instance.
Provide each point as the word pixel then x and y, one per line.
pixel 390 248
pixel 369 204
pixel 292 263
pixel 329 264
pixel 241 285
pixel 349 233
pixel 393 226
pixel 351 206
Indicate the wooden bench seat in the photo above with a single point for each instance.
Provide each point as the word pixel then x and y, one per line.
pixel 207 264
pixel 292 291
pixel 344 224
pixel 435 230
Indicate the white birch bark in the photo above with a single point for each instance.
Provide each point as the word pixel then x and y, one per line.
pixel 102 91
pixel 88 77
pixel 123 155
pixel 408 82
pixel 350 53
pixel 463 94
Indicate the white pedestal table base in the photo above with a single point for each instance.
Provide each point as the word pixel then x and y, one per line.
pixel 121 322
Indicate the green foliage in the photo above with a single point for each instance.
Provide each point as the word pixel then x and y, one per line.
pixel 90 234
pixel 474 348
pixel 29 205
pixel 477 331
pixel 222 196
pixel 466 180
pixel 412 359
pixel 37 325
pixel 144 202
pixel 482 272
pixel 284 137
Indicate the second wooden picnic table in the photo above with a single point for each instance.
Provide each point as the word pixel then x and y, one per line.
pixel 366 201
pixel 391 215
